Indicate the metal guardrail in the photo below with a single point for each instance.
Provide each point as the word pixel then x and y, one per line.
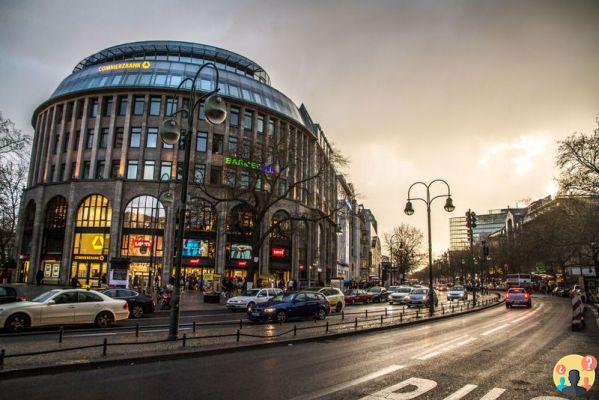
pixel 367 323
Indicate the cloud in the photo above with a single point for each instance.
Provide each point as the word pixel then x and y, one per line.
pixel 520 152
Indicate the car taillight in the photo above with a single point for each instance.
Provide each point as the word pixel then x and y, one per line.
pixel 22 298
pixel 526 296
pixel 125 306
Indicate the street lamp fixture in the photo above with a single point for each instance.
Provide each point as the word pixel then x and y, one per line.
pixel 171 133
pixel 409 210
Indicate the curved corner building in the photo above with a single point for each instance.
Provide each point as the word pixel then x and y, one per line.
pixel 98 167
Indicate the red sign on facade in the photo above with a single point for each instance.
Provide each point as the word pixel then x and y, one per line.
pixel 137 243
pixel 277 251
pixel 242 263
pixel 194 261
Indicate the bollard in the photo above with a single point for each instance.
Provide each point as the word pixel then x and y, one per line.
pixel 194 327
pixel 327 328
pixel 2 354
pixel 381 320
pixel 342 315
pixel 240 323
pixel 60 333
pixel 385 312
pixel 294 330
pixel 184 339
pixel 356 323
pixel 401 317
pixel 137 330
pixel 417 312
pixel 104 347
pixel 366 314
pixel 460 308
pixel 442 309
pixel 238 335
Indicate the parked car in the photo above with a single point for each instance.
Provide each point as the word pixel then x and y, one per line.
pixel 63 307
pixel 399 294
pixel 354 296
pixel 8 294
pixel 457 293
pixel 252 297
pixel 334 296
pixel 419 297
pixel 518 297
pixel 378 294
pixel 139 304
pixel 292 305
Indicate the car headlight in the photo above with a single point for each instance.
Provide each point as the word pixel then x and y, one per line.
pixel 269 309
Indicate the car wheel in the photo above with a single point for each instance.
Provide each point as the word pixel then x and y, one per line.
pixel 339 307
pixel 281 316
pixel 137 311
pixel 251 306
pixel 17 323
pixel 104 320
pixel 507 305
pixel 322 314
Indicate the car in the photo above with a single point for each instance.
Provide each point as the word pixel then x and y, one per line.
pixel 252 297
pixel 378 294
pixel 457 293
pixel 139 304
pixel 518 297
pixel 353 296
pixel 8 294
pixel 419 297
pixel 334 296
pixel 399 294
pixel 63 307
pixel 291 305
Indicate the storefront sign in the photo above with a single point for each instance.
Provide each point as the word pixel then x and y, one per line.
pixel 269 169
pixel 125 65
pixel 194 262
pixel 241 251
pixel 242 263
pixel 90 257
pixel 137 243
pixel 278 252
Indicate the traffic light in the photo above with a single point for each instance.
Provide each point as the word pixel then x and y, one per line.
pixel 473 219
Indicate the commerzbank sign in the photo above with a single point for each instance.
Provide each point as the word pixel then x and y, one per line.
pixel 125 65
pixel 269 169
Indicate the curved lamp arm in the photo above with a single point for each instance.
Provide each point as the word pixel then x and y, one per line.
pixel 194 89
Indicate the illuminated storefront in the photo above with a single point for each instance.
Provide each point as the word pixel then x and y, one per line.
pixel 239 252
pixel 280 248
pixel 91 241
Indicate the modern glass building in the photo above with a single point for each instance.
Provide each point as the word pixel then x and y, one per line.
pixel 486 224
pixel 98 168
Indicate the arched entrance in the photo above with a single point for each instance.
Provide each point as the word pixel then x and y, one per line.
pixel 239 252
pixel 55 221
pixel 280 249
pixel 24 271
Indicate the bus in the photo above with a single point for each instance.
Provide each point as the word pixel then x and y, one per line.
pixel 518 280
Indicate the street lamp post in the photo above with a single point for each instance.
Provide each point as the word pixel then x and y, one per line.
pixel 409 210
pixel 391 254
pixel 170 133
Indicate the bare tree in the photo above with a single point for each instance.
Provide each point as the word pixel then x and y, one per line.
pixel 404 244
pixel 578 160
pixel 12 140
pixel 13 177
pixel 262 177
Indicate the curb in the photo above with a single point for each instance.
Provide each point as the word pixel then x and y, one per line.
pixel 54 369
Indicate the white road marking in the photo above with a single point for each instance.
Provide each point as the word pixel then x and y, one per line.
pixel 344 385
pixel 421 386
pixel 494 329
pixel 461 392
pixel 440 347
pixel 493 394
pixel 451 347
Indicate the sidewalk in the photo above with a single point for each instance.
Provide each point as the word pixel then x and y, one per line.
pixel 191 300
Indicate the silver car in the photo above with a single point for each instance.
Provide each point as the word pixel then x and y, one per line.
pixel 250 298
pixel 419 297
pixel 457 293
pixel 399 294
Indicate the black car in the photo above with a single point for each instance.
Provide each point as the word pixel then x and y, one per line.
pixel 8 294
pixel 139 304
pixel 378 294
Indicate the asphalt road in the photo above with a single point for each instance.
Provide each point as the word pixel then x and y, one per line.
pixel 495 354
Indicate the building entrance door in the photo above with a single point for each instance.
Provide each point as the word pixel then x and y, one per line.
pixel 89 273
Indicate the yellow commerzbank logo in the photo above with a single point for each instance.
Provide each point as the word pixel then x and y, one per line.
pixel 126 65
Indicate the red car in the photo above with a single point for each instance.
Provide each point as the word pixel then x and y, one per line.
pixel 354 296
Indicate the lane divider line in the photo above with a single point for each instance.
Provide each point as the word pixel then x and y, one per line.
pixel 447 349
pixel 494 329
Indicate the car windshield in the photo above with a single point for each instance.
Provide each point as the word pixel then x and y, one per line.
pixel 45 296
pixel 419 291
pixel 375 289
pixel 404 290
pixel 516 291
pixel 250 293
pixel 287 297
pixel 458 288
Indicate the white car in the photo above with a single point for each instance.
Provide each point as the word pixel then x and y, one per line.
pixel 248 299
pixel 334 296
pixel 63 307
pixel 399 294
pixel 457 293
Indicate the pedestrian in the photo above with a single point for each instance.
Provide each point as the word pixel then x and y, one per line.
pixel 75 282
pixel 39 277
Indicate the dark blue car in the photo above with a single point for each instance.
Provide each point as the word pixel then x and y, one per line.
pixel 292 305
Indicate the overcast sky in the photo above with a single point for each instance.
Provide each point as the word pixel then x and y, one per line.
pixel 475 92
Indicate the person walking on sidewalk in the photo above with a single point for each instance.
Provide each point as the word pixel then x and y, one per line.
pixel 39 277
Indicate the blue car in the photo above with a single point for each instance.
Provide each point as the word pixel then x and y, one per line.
pixel 292 305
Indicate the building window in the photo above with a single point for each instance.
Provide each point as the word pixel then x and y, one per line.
pixel 246 148
pixel 107 111
pixel 135 140
pixel 171 106
pixel 89 142
pixel 232 149
pixel 260 124
pixel 63 167
pixel 100 169
pixel 73 168
pixel 132 169
pixel 55 145
pixel 167 146
pixel 155 105
pixel 104 138
pixel 86 170
pixel 152 138
pixel 76 141
pixel 271 127
pixel 52 169
pixel 182 140
pixel 202 142
pixel 216 175
pixel 94 212
pixel 123 105
pixel 248 120
pixel 199 173
pixel 138 105
pixel 166 168
pixel 217 143
pixel 234 117
pixel 144 212
pixel 93 108
pixel 65 143
pixel 118 137
pixel 80 109
pixel 149 170
pixel 114 169
pixel 202 111
pixel 179 171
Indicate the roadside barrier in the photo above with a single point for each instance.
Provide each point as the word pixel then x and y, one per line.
pixel 395 319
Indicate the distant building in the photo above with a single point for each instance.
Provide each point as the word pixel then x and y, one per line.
pixel 486 224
